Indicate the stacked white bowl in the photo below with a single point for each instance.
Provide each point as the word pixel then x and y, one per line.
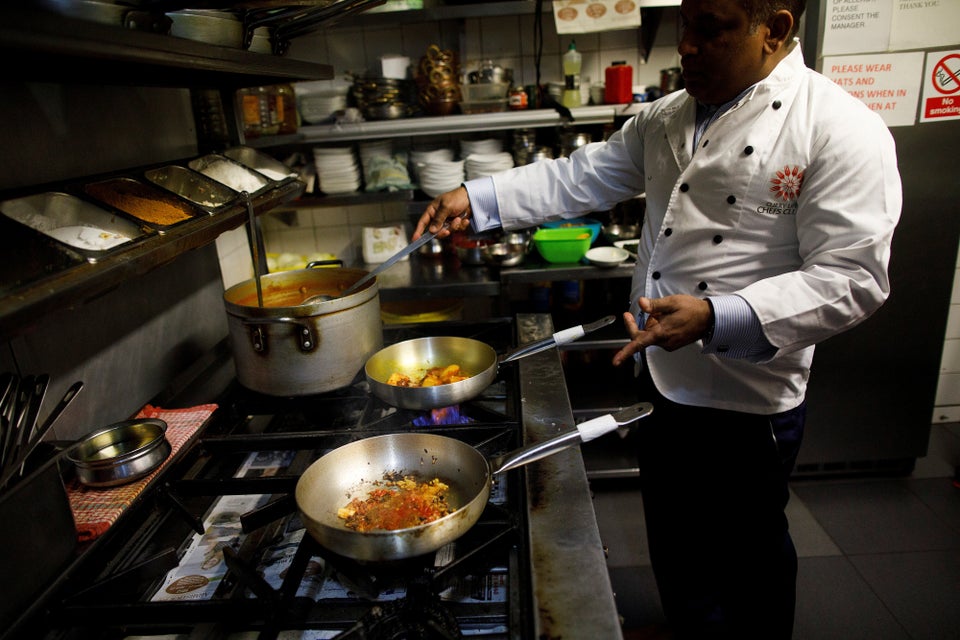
pixel 440 176
pixel 487 145
pixel 487 164
pixel 337 169
pixel 436 170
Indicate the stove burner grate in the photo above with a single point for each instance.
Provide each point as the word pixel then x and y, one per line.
pixel 420 615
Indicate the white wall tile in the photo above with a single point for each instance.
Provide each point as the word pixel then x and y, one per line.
pixel 418 37
pixel 500 37
pixel 948 390
pixel 953 322
pixel 950 360
pixel 378 42
pixel 346 48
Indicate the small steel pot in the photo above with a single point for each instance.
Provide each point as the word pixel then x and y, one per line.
pixel 121 452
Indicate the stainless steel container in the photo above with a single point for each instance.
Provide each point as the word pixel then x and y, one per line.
pixel 286 348
pixel 85 228
pixel 204 192
pixel 121 453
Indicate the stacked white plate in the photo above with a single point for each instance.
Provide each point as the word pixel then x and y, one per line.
pixel 487 164
pixel 337 169
pixel 490 145
pixel 426 156
pixel 440 176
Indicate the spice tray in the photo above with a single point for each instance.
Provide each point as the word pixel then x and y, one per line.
pixel 203 192
pixel 261 163
pixel 142 201
pixel 232 174
pixel 75 223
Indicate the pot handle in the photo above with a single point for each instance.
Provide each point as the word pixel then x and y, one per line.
pixel 325 263
pixel 305 338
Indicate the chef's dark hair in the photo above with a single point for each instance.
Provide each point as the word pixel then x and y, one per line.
pixel 760 10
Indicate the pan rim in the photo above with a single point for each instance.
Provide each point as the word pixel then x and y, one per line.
pixel 483 492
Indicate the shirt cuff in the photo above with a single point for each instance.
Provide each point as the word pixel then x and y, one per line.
pixel 483 203
pixel 737 332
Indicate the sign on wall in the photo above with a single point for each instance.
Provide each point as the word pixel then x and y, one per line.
pixel 864 26
pixel 856 26
pixel 887 83
pixel 941 87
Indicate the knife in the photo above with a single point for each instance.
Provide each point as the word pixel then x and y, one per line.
pixel 558 338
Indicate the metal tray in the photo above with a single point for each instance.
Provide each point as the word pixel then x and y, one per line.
pixel 29 257
pixel 152 206
pixel 209 195
pixel 231 173
pixel 261 163
pixel 82 226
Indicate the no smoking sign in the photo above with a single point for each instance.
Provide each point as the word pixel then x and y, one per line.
pixel 941 92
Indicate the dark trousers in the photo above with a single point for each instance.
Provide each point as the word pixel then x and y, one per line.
pixel 714 486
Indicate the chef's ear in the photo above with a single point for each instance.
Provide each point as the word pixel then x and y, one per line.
pixel 779 27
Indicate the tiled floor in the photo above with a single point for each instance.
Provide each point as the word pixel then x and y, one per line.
pixel 879 557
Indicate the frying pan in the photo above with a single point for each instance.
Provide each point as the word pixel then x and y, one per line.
pixel 354 469
pixel 476 359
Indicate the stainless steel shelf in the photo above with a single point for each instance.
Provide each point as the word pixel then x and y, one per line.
pixel 403 127
pixel 51 47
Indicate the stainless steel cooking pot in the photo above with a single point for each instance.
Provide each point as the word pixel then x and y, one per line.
pixel 287 348
pixel 353 470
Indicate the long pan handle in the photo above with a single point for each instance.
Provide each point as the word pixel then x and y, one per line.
pixel 557 339
pixel 392 260
pixel 584 432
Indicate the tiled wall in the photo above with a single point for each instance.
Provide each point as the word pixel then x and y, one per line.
pixel 507 40
pixel 947 403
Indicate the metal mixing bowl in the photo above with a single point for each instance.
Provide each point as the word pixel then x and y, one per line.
pixel 121 452
pixel 503 254
pixel 614 232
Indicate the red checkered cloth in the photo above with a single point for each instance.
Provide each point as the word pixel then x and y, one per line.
pixel 95 510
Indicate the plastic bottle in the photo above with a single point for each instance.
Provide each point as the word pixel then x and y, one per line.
pixel 618 83
pixel 287 109
pixel 571 76
pixel 249 99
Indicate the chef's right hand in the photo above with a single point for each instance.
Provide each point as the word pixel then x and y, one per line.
pixel 447 205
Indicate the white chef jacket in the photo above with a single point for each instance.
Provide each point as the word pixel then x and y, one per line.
pixel 790 202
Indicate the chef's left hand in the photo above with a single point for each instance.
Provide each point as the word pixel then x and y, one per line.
pixel 672 322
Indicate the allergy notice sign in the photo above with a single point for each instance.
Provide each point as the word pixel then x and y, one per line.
pixel 887 83
pixel 941 87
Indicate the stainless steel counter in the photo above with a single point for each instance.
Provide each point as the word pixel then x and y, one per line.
pixel 420 277
pixel 572 593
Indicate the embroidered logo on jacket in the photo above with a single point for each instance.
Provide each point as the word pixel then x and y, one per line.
pixel 785 187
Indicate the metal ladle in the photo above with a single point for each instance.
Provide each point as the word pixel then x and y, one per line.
pixel 254 245
pixel 389 262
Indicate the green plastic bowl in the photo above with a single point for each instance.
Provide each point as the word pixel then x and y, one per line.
pixel 568 244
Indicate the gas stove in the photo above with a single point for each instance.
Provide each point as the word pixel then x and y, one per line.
pixel 216 548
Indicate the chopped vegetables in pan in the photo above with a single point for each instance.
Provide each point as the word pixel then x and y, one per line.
pixel 398 504
pixel 433 377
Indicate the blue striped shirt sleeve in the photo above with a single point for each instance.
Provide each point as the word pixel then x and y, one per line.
pixel 483 203
pixel 736 331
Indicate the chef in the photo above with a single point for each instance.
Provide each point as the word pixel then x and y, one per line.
pixel 772 198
